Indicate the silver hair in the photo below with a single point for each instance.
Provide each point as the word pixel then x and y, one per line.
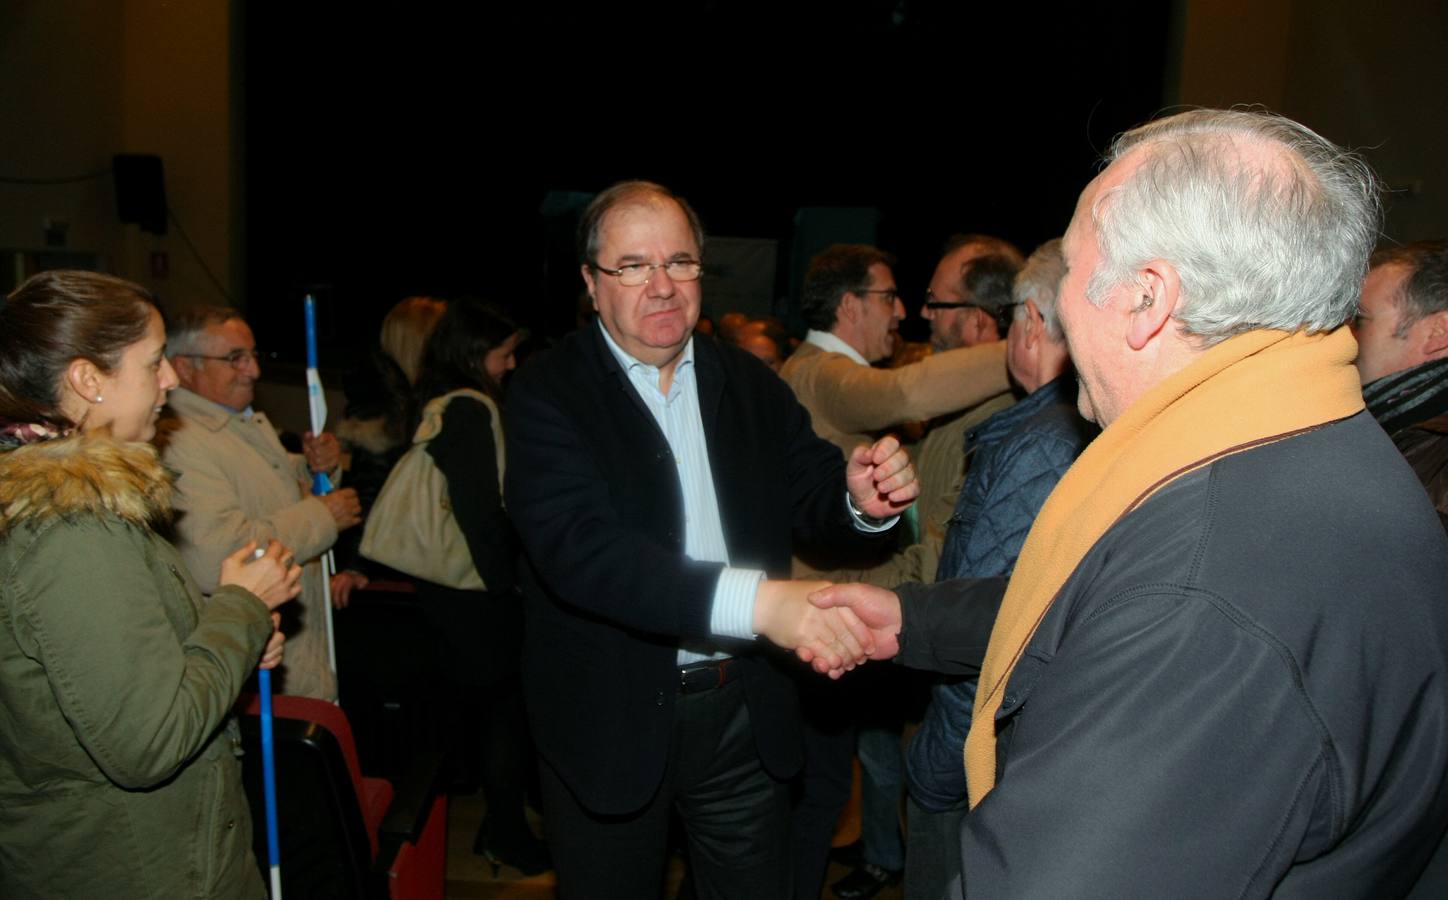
pixel 1280 244
pixel 1040 280
pixel 184 330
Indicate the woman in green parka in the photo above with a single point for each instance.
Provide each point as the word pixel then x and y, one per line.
pixel 119 775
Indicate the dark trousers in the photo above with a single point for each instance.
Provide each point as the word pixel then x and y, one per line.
pixel 823 788
pixel 735 815
pixel 932 852
pixel 478 634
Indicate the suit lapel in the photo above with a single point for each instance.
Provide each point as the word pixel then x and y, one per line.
pixel 709 383
pixel 605 359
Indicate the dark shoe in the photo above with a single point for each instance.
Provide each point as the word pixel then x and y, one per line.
pixel 523 852
pixel 852 855
pixel 865 882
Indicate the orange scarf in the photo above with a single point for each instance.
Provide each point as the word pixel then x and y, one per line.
pixel 1251 389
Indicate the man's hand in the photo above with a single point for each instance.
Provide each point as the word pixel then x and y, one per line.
pixel 832 640
pixel 876 608
pixel 323 452
pixel 881 478
pixel 344 506
pixel 343 584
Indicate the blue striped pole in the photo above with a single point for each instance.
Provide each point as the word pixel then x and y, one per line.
pixel 321 484
pixel 269 784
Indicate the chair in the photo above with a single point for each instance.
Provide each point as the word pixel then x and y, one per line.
pixel 343 835
pixel 389 673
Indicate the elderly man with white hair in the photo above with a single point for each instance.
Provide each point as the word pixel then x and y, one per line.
pixel 1219 666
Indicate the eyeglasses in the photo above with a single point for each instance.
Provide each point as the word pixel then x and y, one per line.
pixel 1005 316
pixel 1002 314
pixel 932 303
pixel 891 294
pixel 237 358
pixel 635 274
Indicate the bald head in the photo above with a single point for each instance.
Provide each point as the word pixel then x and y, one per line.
pixel 970 289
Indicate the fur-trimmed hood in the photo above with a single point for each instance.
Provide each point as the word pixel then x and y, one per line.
pixel 379 435
pixel 83 475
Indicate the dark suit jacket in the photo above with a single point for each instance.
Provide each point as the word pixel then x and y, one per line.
pixel 594 493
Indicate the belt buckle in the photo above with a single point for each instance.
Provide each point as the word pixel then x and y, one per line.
pixel 686 681
pixel 689 683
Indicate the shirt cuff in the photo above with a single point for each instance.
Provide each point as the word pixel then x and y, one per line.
pixel 865 523
pixel 733 612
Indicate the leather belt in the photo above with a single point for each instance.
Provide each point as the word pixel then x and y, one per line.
pixel 705 676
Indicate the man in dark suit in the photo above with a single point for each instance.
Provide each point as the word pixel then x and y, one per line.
pixel 655 478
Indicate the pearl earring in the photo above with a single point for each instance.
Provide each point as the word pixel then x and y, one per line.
pixel 100 399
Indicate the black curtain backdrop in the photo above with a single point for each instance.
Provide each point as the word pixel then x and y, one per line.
pixel 401 152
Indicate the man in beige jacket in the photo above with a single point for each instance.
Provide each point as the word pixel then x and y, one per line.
pixel 968 299
pixel 852 307
pixel 236 482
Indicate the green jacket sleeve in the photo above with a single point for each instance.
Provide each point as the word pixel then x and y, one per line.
pixel 143 670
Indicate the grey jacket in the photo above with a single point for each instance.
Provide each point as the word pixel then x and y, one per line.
pixel 1239 692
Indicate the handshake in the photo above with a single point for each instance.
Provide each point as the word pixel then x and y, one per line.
pixel 833 627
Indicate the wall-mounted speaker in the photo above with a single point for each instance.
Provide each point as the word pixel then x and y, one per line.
pixel 140 190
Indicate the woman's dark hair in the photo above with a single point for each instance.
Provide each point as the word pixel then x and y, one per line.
pixel 54 318
pixel 453 356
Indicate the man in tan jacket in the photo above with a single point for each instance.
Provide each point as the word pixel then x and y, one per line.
pixel 852 307
pixel 236 482
pixel 968 299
